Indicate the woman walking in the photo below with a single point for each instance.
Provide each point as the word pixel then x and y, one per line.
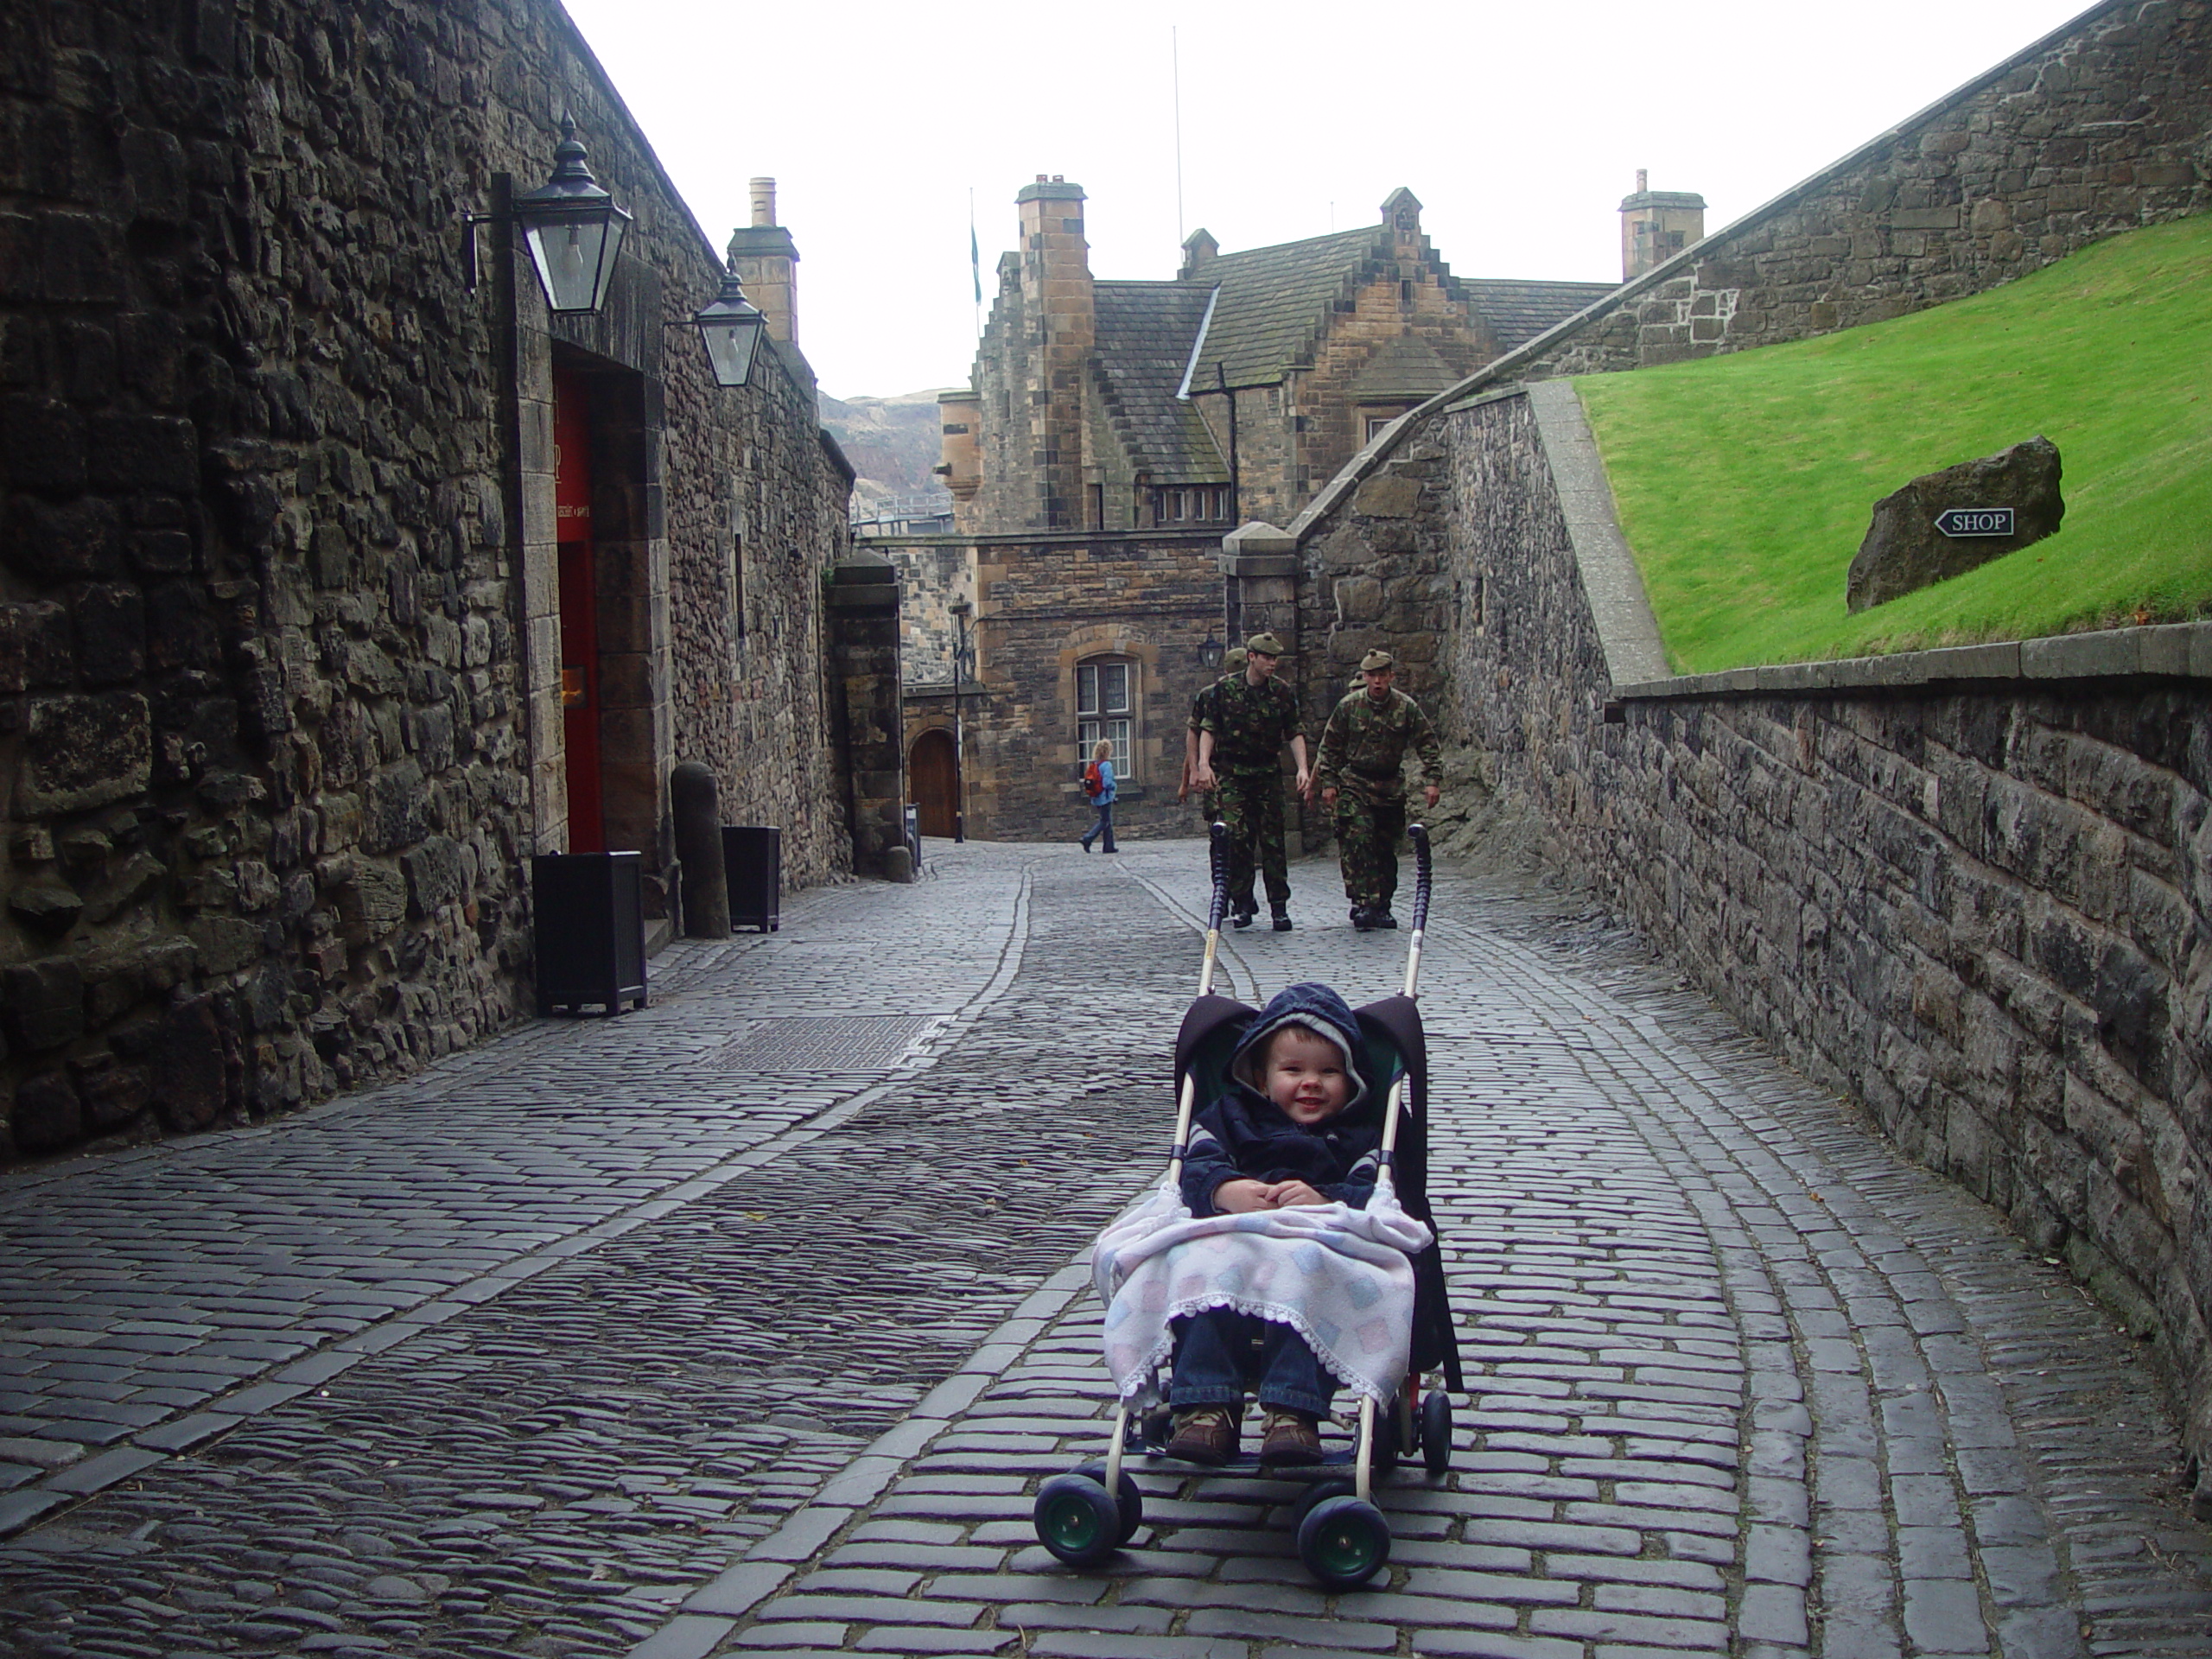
pixel 1098 783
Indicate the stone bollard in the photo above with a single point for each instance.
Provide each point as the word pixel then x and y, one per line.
pixel 898 863
pixel 695 798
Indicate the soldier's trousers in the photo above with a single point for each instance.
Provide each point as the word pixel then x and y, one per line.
pixel 1367 829
pixel 1251 805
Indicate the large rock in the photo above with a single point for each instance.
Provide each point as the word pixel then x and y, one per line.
pixel 1905 552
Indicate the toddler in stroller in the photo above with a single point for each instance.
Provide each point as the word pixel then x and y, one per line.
pixel 1297 1126
pixel 1290 1250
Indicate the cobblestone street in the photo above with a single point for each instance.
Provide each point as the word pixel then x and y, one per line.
pixel 748 1324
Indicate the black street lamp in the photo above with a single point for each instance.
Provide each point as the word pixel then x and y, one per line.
pixel 1211 651
pixel 572 227
pixel 731 327
pixel 963 666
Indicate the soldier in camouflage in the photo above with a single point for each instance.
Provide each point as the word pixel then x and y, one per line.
pixel 1232 667
pixel 1360 773
pixel 1253 715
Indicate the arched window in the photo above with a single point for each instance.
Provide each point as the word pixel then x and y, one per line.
pixel 1106 706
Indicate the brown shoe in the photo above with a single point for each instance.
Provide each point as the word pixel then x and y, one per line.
pixel 1203 1435
pixel 1290 1438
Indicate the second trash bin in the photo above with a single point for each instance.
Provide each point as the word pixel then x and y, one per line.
pixel 752 856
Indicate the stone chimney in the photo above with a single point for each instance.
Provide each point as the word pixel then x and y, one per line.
pixel 1057 291
pixel 765 259
pixel 1199 250
pixel 1656 225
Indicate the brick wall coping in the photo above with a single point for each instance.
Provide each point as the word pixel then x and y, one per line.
pixel 1381 447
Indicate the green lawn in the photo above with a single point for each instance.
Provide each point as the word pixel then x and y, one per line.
pixel 1745 482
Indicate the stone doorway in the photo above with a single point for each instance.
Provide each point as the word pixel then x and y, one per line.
pixel 933 778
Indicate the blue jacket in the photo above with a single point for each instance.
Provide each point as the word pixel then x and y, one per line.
pixel 1104 797
pixel 1243 1133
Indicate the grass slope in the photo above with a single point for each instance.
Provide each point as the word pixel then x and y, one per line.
pixel 1745 483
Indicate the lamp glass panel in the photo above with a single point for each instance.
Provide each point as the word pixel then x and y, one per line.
pixel 574 259
pixel 729 350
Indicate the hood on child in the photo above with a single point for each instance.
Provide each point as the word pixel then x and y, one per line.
pixel 1319 1009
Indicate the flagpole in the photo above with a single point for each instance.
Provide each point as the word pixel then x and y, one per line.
pixel 1175 72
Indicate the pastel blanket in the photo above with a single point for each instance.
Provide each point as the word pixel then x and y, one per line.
pixel 1342 1278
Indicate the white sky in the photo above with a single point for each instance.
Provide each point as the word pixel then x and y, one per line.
pixel 1520 126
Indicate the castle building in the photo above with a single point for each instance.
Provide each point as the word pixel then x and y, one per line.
pixel 1225 395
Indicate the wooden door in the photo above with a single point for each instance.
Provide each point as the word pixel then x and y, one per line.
pixel 933 778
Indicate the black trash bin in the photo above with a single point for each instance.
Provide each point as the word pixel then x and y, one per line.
pixel 590 922
pixel 752 858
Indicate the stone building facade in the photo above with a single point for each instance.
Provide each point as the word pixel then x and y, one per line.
pixel 292 677
pixel 1971 888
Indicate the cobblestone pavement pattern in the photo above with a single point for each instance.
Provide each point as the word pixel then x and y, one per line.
pixel 748 1323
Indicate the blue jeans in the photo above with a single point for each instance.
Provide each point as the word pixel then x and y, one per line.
pixel 1219 1352
pixel 1104 826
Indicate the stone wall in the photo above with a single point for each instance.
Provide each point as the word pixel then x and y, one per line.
pixel 1044 603
pixel 1971 889
pixel 279 651
pixel 2101 127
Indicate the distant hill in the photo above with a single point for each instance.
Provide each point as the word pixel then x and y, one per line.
pixel 893 444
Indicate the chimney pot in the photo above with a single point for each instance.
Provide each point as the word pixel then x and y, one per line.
pixel 1642 179
pixel 764 202
pixel 1041 179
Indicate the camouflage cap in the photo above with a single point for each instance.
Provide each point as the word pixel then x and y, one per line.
pixel 1377 660
pixel 1266 643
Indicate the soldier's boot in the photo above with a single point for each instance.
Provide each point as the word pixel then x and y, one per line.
pixel 1282 921
pixel 1381 917
pixel 1361 921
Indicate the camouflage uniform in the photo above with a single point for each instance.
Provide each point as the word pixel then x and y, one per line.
pixel 1363 755
pixel 1202 701
pixel 1250 723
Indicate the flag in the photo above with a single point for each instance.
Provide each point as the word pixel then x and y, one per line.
pixel 976 257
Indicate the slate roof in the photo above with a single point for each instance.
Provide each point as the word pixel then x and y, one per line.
pixel 1144 331
pixel 1518 311
pixel 1275 301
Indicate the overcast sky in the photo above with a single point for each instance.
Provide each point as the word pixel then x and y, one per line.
pixel 1520 127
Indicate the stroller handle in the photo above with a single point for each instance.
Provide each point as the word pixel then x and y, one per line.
pixel 1216 903
pixel 1424 867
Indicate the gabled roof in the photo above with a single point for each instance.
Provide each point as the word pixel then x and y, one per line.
pixel 1144 335
pixel 1274 302
pixel 1517 311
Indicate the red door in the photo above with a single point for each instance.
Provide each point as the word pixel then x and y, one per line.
pixel 579 613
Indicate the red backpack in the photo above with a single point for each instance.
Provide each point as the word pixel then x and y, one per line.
pixel 1093 785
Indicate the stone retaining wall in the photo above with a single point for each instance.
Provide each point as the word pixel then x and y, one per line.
pixel 1971 889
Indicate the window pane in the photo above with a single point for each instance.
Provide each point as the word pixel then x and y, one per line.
pixel 1118 731
pixel 1086 739
pixel 1086 689
pixel 1113 688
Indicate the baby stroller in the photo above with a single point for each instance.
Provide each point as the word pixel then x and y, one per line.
pixel 1344 1540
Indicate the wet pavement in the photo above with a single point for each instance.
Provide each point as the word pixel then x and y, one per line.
pixel 749 1322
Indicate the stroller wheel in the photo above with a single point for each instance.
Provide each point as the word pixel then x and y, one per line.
pixel 1318 1493
pixel 1078 1520
pixel 1344 1541
pixel 1128 1502
pixel 1436 1432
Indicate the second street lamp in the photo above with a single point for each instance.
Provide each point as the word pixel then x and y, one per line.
pixel 731 326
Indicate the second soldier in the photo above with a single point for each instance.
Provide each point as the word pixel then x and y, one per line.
pixel 1361 774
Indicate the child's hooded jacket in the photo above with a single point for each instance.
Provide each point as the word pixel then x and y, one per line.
pixel 1243 1133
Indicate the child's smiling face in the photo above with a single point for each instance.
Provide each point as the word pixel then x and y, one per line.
pixel 1305 1075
